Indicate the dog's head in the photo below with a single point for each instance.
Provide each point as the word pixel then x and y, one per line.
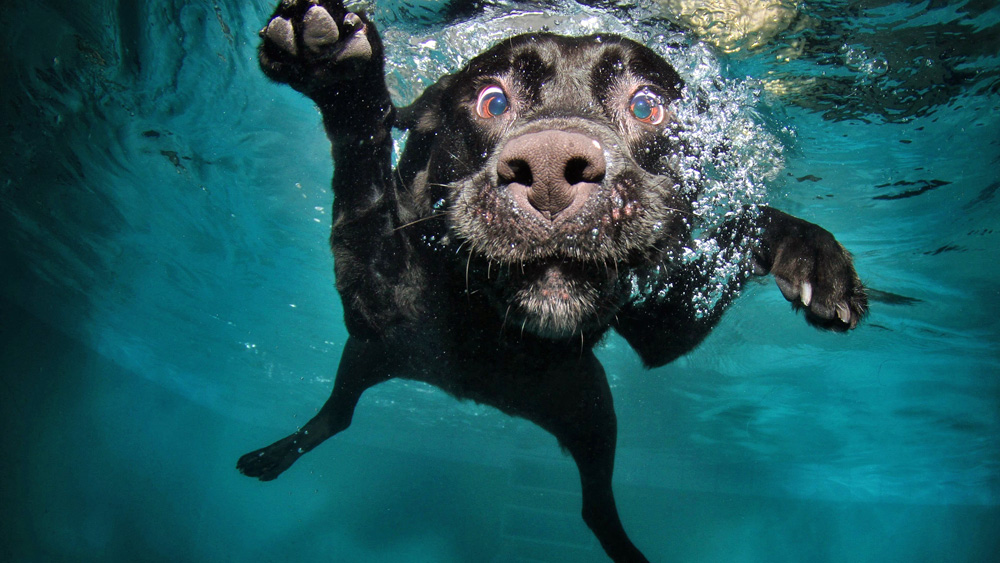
pixel 550 156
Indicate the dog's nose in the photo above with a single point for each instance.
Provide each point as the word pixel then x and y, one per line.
pixel 555 171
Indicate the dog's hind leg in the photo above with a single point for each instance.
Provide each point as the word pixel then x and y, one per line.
pixel 574 403
pixel 591 440
pixel 362 365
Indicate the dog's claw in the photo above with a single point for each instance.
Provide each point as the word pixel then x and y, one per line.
pixel 353 21
pixel 806 293
pixel 844 313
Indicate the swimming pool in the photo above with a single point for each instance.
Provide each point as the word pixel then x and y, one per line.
pixel 168 304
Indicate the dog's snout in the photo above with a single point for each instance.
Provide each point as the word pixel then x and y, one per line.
pixel 553 171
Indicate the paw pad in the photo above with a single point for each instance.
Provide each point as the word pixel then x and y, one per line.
pixel 320 30
pixel 281 33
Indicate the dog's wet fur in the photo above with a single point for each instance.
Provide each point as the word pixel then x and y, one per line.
pixel 534 191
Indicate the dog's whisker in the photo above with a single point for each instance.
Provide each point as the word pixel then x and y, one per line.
pixel 421 220
pixel 399 176
pixel 468 262
pixel 503 325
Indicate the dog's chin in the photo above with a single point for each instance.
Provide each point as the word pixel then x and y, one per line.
pixel 559 300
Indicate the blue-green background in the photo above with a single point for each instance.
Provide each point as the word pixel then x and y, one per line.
pixel 167 304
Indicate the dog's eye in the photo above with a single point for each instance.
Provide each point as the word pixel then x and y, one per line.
pixel 491 103
pixel 647 107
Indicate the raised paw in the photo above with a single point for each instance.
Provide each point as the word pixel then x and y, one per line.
pixel 307 42
pixel 815 273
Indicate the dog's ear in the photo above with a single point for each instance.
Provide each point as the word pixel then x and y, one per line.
pixel 424 114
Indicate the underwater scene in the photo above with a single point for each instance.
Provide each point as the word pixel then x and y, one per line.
pixel 168 298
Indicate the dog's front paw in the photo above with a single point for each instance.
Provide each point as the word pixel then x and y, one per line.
pixel 815 273
pixel 307 42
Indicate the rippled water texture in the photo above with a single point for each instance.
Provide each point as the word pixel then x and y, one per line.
pixel 168 302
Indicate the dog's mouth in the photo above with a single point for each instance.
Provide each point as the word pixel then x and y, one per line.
pixel 560 278
pixel 556 298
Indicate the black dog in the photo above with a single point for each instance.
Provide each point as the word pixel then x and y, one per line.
pixel 532 210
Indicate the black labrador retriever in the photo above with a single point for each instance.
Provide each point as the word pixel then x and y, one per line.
pixel 534 209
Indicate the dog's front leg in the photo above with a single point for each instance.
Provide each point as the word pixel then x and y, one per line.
pixel 811 268
pixel 335 57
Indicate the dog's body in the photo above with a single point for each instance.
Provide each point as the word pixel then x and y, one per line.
pixel 532 210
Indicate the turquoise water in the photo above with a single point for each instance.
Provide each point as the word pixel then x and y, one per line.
pixel 168 304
